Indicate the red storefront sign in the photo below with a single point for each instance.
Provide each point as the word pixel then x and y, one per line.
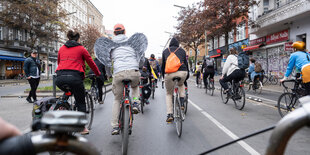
pixel 288 46
pixel 277 37
pixel 257 41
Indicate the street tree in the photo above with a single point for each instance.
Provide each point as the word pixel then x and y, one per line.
pixel 41 20
pixel 89 35
pixel 189 31
pixel 223 16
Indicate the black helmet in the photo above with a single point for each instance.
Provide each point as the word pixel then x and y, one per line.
pixel 152 56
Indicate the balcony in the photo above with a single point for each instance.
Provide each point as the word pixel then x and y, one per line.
pixel 280 16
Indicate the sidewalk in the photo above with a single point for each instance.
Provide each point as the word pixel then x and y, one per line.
pixel 3 83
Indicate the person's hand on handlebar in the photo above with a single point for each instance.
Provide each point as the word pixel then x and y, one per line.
pixel 8 130
pixel 285 78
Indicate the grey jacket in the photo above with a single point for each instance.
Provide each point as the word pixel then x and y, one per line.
pixel 125 57
pixel 31 66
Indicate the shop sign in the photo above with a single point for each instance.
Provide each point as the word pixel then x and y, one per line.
pixel 288 46
pixel 257 41
pixel 9 53
pixel 218 51
pixel 277 37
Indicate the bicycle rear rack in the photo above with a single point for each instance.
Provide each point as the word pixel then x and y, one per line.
pixel 287 126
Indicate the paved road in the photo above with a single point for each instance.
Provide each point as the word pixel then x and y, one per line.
pixel 208 124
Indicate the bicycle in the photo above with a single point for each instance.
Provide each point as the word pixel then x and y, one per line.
pixel 236 93
pixel 186 101
pixel 210 86
pixel 153 87
pixel 178 114
pixel 142 99
pixel 272 79
pixel 125 116
pixel 59 126
pixel 94 91
pixel 63 104
pixel 200 79
pixel 288 101
pixel 257 85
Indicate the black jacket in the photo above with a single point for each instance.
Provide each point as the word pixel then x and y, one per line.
pixel 101 68
pixel 180 53
pixel 31 65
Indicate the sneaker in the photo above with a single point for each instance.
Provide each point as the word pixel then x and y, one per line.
pixel 29 100
pixel 237 97
pixel 147 102
pixel 115 131
pixel 101 102
pixel 135 108
pixel 251 83
pixel 85 131
pixel 169 118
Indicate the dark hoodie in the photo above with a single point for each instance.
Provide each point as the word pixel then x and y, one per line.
pixel 180 53
pixel 72 43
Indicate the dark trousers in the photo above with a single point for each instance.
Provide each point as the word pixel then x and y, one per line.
pixel 34 83
pixel 197 77
pixel 236 75
pixel 206 74
pixel 75 82
pixel 100 84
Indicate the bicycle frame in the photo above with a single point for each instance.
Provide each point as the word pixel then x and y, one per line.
pixel 126 103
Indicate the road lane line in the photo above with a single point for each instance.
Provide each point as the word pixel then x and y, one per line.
pixel 228 132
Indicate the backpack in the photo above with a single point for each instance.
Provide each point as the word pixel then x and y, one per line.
pixel 243 60
pixel 43 104
pixel 153 64
pixel 209 63
pixel 173 63
pixel 257 67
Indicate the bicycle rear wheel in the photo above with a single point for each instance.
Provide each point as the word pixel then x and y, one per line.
pixel 142 104
pixel 104 94
pixel 287 103
pixel 177 115
pixel 265 79
pixel 224 96
pixel 89 110
pixel 94 96
pixel 273 80
pixel 125 129
pixel 153 90
pixel 186 102
pixel 239 99
pixel 212 87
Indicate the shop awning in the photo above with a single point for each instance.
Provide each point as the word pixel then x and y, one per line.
pixel 252 47
pixel 214 56
pixel 12 58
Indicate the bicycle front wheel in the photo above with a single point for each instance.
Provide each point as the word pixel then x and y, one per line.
pixel 239 98
pixel 89 110
pixel 287 103
pixel 224 96
pixel 186 102
pixel 178 116
pixel 273 80
pixel 125 129
pixel 212 87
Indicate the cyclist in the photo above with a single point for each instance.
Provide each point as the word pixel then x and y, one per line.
pixel 71 69
pixel 181 72
pixel 208 66
pixel 300 59
pixel 99 80
pixel 145 71
pixel 231 71
pixel 197 72
pixel 255 70
pixel 126 66
pixel 155 65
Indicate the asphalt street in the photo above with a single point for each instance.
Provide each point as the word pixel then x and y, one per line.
pixel 209 123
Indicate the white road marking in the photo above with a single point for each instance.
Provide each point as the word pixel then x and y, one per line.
pixel 228 132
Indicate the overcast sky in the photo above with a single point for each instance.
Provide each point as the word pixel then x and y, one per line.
pixel 151 17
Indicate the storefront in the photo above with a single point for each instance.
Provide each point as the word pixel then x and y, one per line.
pixel 11 64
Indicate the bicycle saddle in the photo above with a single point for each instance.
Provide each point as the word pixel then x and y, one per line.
pixel 176 78
pixel 126 81
pixel 66 87
pixel 64 121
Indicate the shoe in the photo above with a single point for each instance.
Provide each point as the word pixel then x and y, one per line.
pixel 251 83
pixel 182 103
pixel 196 85
pixel 156 86
pixel 85 131
pixel 35 100
pixel 115 131
pixel 169 118
pixel 29 100
pixel 238 97
pixel 147 102
pixel 101 102
pixel 135 108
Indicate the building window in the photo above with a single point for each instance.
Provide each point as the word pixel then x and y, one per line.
pixel 1 32
pixel 1 7
pixel 231 37
pixel 241 32
pixel 20 35
pixel 216 44
pixel 10 34
pixel 278 3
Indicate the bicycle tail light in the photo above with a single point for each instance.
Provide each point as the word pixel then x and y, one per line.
pixel 185 88
pixel 126 101
pixel 175 89
pixel 140 86
pixel 68 93
pixel 241 85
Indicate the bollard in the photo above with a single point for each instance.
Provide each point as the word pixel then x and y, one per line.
pixel 54 85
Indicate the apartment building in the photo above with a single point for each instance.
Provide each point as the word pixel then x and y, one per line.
pixel 280 23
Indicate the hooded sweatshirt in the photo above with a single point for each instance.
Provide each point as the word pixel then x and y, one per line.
pixel 72 56
pixel 180 53
pixel 124 57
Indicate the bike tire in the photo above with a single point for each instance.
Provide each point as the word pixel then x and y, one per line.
pixel 212 87
pixel 224 96
pixel 260 88
pixel 186 103
pixel 265 80
pixel 89 110
pixel 287 102
pixel 178 116
pixel 94 96
pixel 273 80
pixel 142 105
pixel 125 129
pixel 239 103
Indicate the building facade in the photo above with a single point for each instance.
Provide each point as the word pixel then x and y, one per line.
pixel 280 23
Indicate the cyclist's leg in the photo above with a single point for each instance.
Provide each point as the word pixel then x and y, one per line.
pixel 134 76
pixel 205 77
pixel 78 90
pixel 169 91
pixel 117 89
pixel 185 83
pixel 197 77
pixel 100 83
pixel 182 75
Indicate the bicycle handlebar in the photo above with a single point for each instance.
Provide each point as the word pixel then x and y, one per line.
pixel 17 145
pixel 287 126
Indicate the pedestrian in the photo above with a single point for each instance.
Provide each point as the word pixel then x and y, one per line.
pixel 32 70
